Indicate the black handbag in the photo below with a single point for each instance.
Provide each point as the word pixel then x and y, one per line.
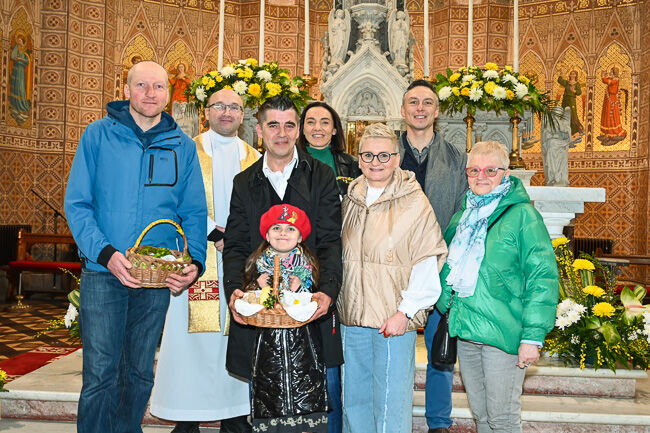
pixel 443 348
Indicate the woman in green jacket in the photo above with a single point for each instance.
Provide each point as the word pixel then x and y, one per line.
pixel 500 285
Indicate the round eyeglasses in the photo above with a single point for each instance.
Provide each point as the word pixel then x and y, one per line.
pixel 222 107
pixel 382 157
pixel 489 171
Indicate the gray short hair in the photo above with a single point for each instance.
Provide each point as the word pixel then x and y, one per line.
pixel 379 130
pixel 493 149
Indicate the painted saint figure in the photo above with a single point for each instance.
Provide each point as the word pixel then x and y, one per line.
pixel 611 127
pixel 571 91
pixel 178 84
pixel 19 102
pixel 182 111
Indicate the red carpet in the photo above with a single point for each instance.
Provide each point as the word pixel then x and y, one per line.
pixel 30 361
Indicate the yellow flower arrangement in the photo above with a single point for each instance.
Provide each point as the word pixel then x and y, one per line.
pixel 594 291
pixel 595 326
pixel 255 83
pixel 603 309
pixel 498 90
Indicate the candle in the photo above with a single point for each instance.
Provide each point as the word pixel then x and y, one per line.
pixel 470 31
pixel 306 65
pixel 261 47
pixel 515 33
pixel 221 30
pixel 426 38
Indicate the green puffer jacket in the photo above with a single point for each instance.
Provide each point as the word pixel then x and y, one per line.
pixel 517 290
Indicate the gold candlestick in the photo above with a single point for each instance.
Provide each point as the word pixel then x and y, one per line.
pixel 516 160
pixel 470 122
pixel 309 81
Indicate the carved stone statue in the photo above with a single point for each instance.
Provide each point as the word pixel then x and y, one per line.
pixel 398 37
pixel 338 36
pixel 366 103
pixel 555 148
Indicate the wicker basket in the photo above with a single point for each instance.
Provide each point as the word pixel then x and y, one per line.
pixel 277 316
pixel 153 271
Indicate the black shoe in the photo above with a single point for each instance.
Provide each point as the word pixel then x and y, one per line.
pixel 439 430
pixel 237 424
pixel 186 427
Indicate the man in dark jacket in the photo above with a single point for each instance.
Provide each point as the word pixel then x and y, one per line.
pixel 285 174
pixel 439 167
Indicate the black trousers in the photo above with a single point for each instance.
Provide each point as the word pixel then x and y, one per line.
pixel 238 424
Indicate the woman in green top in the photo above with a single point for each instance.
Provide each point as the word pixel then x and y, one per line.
pixel 321 134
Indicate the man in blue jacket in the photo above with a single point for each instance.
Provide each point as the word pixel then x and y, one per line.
pixel 132 167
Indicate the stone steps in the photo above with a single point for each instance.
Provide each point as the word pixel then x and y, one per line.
pixel 550 377
pixel 51 393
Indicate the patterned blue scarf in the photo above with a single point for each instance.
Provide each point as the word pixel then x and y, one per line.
pixel 294 264
pixel 467 248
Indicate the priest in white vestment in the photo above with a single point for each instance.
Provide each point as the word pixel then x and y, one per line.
pixel 191 383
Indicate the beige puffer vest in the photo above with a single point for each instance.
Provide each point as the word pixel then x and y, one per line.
pixel 381 244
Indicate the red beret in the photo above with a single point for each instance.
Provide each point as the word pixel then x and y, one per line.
pixel 285 214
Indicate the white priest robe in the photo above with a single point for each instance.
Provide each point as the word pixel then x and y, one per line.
pixel 191 382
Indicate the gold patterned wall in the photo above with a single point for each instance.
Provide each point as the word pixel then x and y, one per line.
pixel 73 55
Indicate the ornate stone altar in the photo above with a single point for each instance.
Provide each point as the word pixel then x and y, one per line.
pixel 368 61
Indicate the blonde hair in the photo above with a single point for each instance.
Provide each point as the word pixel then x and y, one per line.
pixel 379 130
pixel 493 149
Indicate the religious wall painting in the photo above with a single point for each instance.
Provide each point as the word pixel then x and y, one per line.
pixel 570 90
pixel 531 66
pixel 138 50
pixel 179 64
pixel 20 72
pixel 612 100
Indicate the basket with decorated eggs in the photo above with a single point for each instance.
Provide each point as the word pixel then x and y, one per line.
pixel 271 307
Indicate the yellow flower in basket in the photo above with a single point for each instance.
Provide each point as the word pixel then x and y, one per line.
pixel 491 66
pixel 603 309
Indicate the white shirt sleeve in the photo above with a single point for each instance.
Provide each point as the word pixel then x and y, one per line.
pixel 424 287
pixel 211 225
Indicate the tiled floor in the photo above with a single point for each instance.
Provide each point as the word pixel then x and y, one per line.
pixel 18 328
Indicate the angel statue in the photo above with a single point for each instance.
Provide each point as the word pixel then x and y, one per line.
pixel 398 36
pixel 338 35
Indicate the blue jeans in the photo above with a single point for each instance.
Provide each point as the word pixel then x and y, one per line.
pixel 334 420
pixel 493 383
pixel 377 379
pixel 120 329
pixel 439 382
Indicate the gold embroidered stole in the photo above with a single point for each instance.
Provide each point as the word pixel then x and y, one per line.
pixel 203 296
